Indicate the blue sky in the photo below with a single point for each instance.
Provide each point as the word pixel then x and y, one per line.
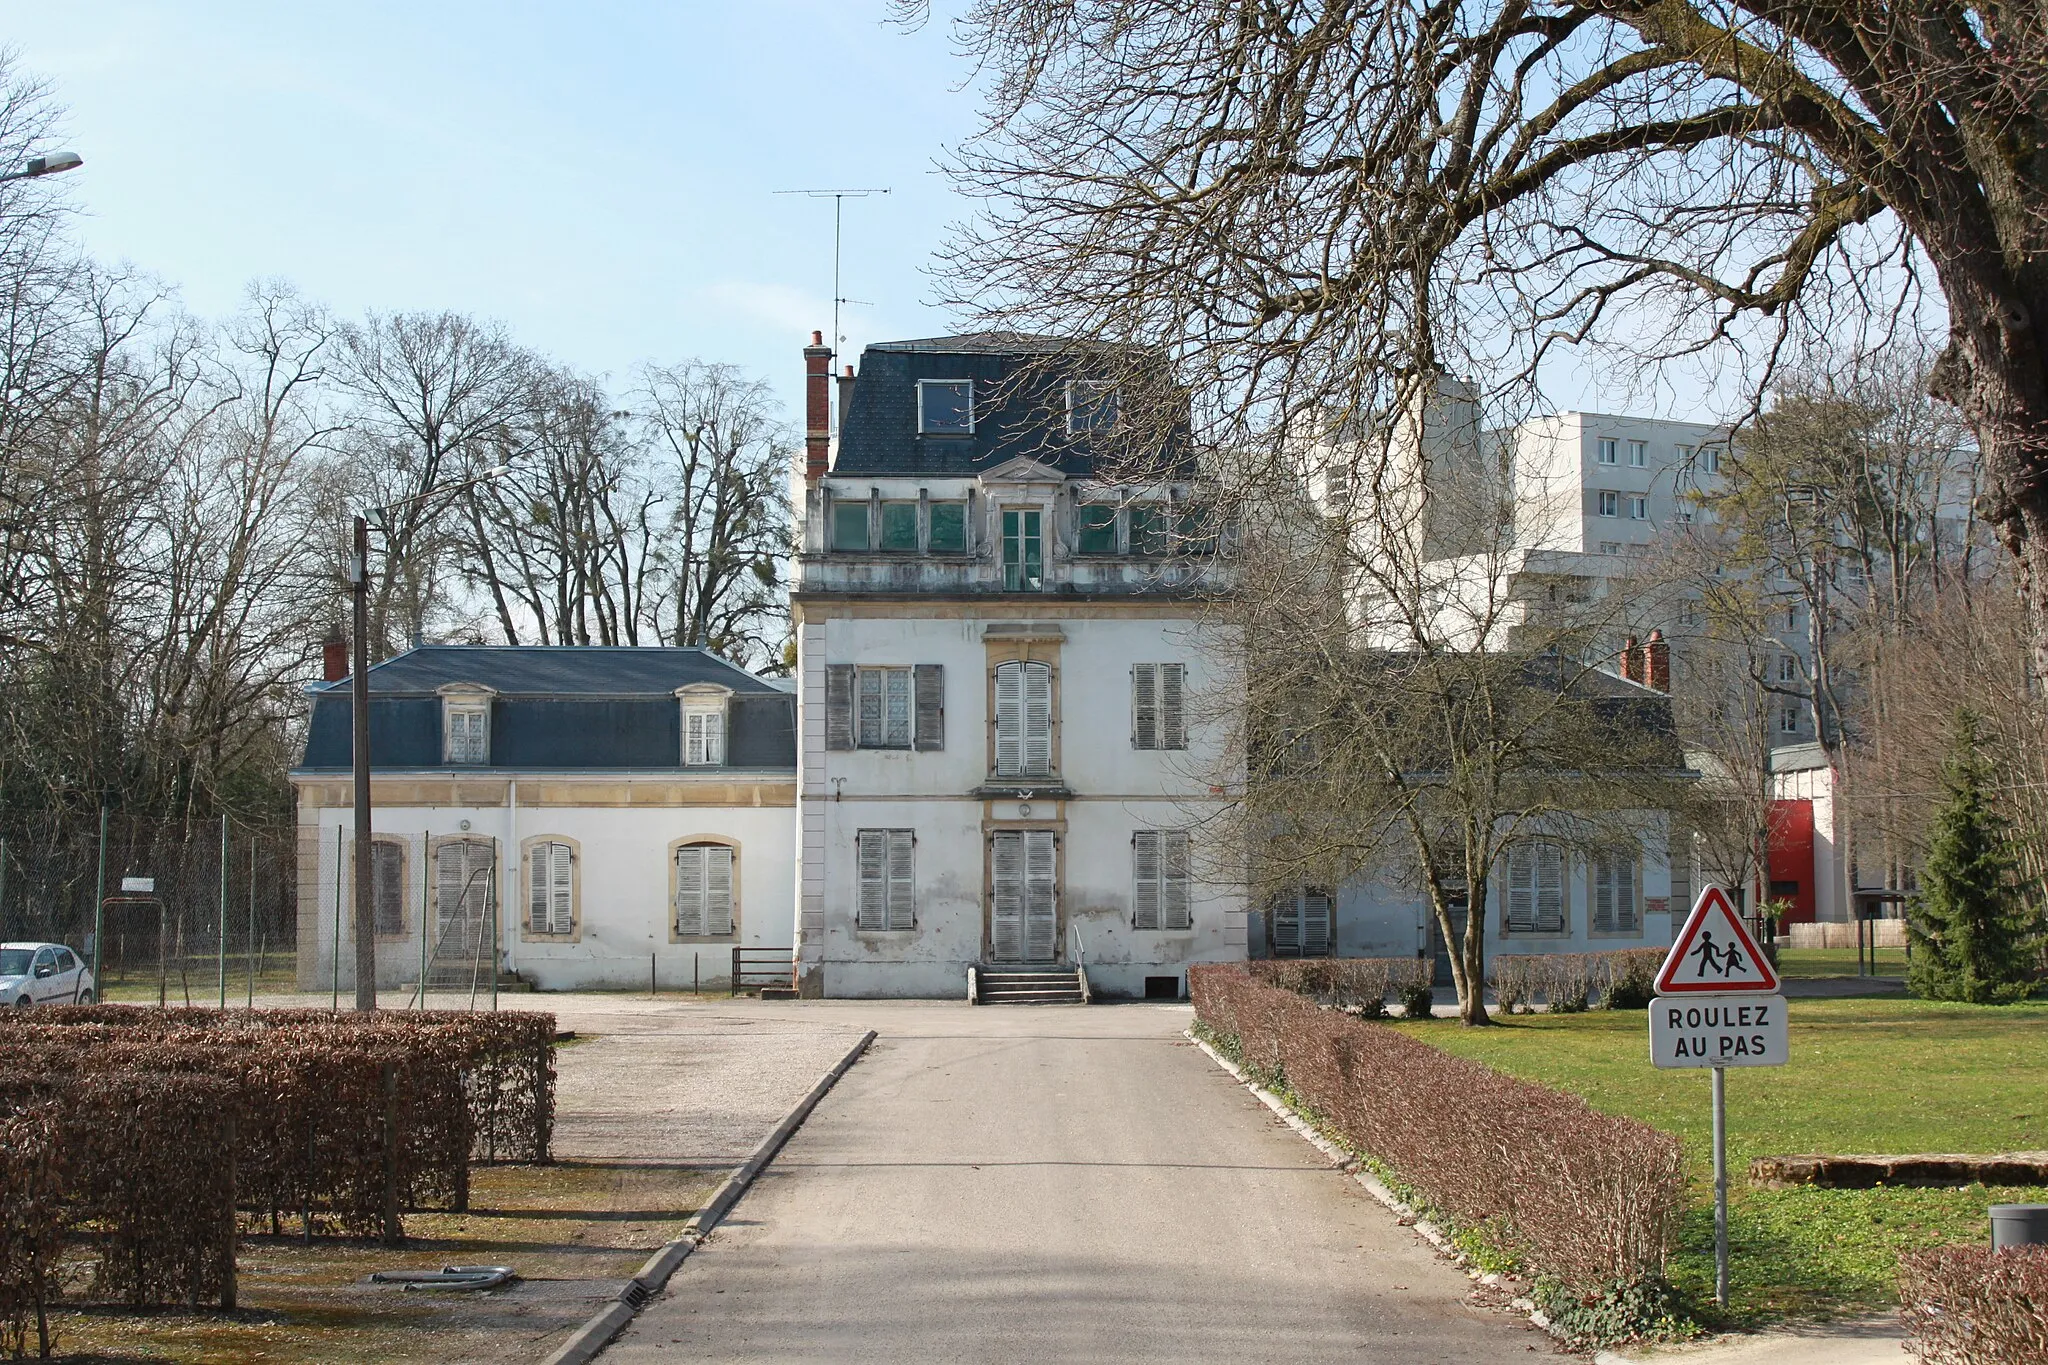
pixel 600 176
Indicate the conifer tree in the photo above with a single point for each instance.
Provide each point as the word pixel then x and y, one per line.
pixel 1974 938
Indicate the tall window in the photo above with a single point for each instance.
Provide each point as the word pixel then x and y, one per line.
pixel 387 885
pixel 703 734
pixel 888 889
pixel 1023 550
pixel 1638 454
pixel 885 712
pixel 1616 900
pixel 463 869
pixel 1023 719
pixel 1535 889
pixel 1609 448
pixel 704 891
pixel 467 735
pixel 1158 706
pixel 1159 879
pixel 945 407
pixel 550 888
pixel 1301 923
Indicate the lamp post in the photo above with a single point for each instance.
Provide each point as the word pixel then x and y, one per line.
pixel 359 748
pixel 49 164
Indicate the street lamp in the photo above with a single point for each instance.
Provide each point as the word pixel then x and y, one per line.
pixel 359 704
pixel 48 164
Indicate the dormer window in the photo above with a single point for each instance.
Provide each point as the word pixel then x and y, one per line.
pixel 945 407
pixel 1091 405
pixel 704 707
pixel 465 724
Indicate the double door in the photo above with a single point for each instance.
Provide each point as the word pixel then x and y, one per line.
pixel 1024 896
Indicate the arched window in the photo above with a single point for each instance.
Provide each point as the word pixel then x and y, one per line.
pixel 1023 719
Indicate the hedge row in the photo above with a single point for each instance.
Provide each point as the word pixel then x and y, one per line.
pixel 1568 982
pixel 31 1227
pixel 1586 1197
pixel 1349 983
pixel 1971 1305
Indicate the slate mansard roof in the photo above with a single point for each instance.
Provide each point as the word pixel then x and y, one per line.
pixel 1019 401
pixel 557 708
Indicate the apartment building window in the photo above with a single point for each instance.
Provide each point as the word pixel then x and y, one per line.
pixel 885 706
pixel 1091 405
pixel 1616 894
pixel 1095 529
pixel 1301 923
pixel 1681 507
pixel 1609 450
pixel 1607 503
pixel 1159 879
pixel 704 890
pixel 1710 459
pixel 887 885
pixel 1788 718
pixel 1023 719
pixel 1788 668
pixel 550 888
pixel 945 407
pixel 1610 547
pixel 946 533
pixel 1023 550
pixel 1638 508
pixel 1638 454
pixel 850 525
pixel 1159 706
pixel 899 528
pixel 1535 888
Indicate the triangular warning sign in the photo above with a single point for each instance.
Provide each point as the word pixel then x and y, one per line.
pixel 1713 953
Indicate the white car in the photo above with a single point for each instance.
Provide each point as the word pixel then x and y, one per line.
pixel 43 974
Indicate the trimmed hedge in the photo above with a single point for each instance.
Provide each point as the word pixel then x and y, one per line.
pixel 31 1226
pixel 1971 1305
pixel 1584 1197
pixel 1351 983
pixel 1569 982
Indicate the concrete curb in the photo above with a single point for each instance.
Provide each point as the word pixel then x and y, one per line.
pixel 596 1334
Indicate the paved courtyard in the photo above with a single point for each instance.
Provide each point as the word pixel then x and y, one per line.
pixel 1031 1184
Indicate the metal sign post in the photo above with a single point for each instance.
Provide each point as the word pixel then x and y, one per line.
pixel 1717 1006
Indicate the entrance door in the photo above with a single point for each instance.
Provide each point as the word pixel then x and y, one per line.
pixel 1023 913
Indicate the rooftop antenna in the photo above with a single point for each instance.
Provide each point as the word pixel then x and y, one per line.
pixel 838 198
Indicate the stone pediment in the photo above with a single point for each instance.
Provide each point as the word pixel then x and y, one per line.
pixel 1023 470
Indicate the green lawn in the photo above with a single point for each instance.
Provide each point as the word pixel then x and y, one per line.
pixel 1796 963
pixel 1866 1075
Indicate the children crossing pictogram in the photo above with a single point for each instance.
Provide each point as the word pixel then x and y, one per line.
pixel 1714 953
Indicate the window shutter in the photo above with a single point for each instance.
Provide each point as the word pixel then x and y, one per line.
pixel 902 885
pixel 462 878
pixel 448 875
pixel 1626 902
pixel 931 705
pixel 1006 911
pixel 1037 719
pixel 1603 893
pixel 1145 879
pixel 690 890
pixel 1173 729
pixel 1315 924
pixel 1549 889
pixel 1521 889
pixel 387 866
pixel 1174 911
pixel 1041 913
pixel 539 876
pixel 1009 718
pixel 561 890
pixel 717 890
pixel 1287 926
pixel 1144 706
pixel 838 706
pixel 873 912
pixel 869 690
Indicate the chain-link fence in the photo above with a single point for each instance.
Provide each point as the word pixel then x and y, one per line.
pixel 186 911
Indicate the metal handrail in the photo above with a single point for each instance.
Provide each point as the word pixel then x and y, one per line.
pixel 1074 942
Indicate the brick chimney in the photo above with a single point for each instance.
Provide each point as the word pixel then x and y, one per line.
pixel 1631 660
pixel 817 407
pixel 333 658
pixel 1657 662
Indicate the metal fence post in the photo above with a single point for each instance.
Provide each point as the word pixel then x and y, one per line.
pixel 250 948
pixel 99 908
pixel 222 946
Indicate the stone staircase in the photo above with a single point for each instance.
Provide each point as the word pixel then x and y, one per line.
pixel 1029 986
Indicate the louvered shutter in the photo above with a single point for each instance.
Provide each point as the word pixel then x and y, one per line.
pixel 1604 869
pixel 1006 886
pixel 1041 914
pixel 690 890
pixel 873 909
pixel 1144 706
pixel 902 883
pixel 1009 719
pixel 717 890
pixel 1037 719
pixel 1145 879
pixel 1174 912
pixel 1173 729
pixel 461 873
pixel 550 890
pixel 1315 924
pixel 930 687
pixel 1521 889
pixel 1549 889
pixel 387 868
pixel 838 706
pixel 1287 926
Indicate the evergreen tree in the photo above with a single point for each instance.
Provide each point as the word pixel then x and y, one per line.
pixel 1974 938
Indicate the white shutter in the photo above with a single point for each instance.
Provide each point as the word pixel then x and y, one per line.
pixel 1009 718
pixel 1037 720
pixel 690 891
pixel 902 882
pixel 1144 706
pixel 1006 885
pixel 1173 728
pixel 1315 924
pixel 550 899
pixel 1174 912
pixel 1145 879
pixel 461 878
pixel 1041 912
pixel 538 867
pixel 561 890
pixel 717 890
pixel 873 912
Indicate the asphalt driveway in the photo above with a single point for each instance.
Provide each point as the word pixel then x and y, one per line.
pixel 1055 1183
